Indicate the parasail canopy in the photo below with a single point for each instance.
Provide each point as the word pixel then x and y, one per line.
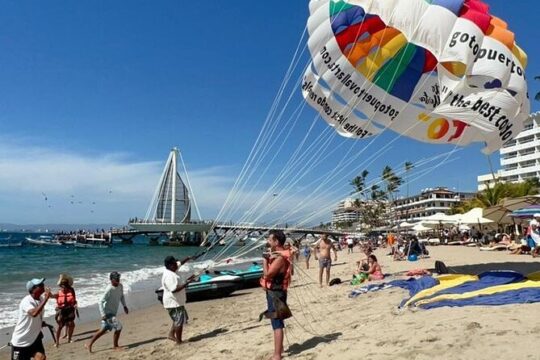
pixel 438 71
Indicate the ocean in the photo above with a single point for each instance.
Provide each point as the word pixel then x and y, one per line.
pixel 140 265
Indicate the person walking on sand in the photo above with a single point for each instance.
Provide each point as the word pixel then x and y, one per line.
pixel 277 269
pixel 66 307
pixel 174 296
pixel 323 247
pixel 108 307
pixel 26 340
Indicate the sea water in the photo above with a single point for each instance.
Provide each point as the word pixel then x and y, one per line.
pixel 140 266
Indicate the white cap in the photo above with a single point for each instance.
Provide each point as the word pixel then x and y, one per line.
pixel 537 215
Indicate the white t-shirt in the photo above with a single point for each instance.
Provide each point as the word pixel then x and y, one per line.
pixel 28 328
pixel 169 282
pixel 350 241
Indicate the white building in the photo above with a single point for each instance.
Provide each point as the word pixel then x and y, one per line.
pixel 345 212
pixel 429 202
pixel 520 158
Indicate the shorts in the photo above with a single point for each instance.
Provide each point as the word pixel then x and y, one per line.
pixel 27 353
pixel 350 246
pixel 111 323
pixel 276 323
pixel 65 315
pixel 178 315
pixel 325 263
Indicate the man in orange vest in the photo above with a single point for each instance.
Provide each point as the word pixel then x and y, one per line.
pixel 277 269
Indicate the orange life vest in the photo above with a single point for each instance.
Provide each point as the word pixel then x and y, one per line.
pixel 66 298
pixel 281 284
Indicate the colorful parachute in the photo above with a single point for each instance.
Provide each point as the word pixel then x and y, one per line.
pixel 439 71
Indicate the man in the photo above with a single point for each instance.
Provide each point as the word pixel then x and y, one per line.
pixel 277 269
pixel 323 248
pixel 26 339
pixel 350 245
pixel 108 307
pixel 174 296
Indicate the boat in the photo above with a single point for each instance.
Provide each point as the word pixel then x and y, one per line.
pixel 9 242
pixel 213 287
pixel 249 270
pixel 45 240
pixel 92 243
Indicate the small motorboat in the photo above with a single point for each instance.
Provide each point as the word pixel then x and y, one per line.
pixel 9 242
pixel 250 276
pixel 44 240
pixel 212 287
pixel 92 243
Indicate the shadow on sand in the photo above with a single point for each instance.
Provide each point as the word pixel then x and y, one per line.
pixel 134 345
pixel 208 335
pixel 296 349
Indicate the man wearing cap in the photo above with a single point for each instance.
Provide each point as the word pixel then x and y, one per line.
pixel 108 307
pixel 26 339
pixel 174 296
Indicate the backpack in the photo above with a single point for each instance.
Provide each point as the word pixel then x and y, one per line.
pixel 440 267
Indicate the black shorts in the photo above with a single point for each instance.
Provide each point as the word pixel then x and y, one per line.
pixel 350 246
pixel 28 352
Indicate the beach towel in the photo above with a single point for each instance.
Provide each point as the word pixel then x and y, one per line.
pixel 494 248
pixel 369 288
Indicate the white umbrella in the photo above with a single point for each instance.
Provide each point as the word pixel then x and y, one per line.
pixel 421 227
pixel 474 216
pixel 406 225
pixel 441 218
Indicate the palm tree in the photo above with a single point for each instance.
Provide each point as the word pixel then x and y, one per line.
pixel 359 182
pixel 392 181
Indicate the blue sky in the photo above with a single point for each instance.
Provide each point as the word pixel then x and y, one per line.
pixel 94 94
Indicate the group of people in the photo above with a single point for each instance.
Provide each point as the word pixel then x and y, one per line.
pixel 26 340
pixel 27 336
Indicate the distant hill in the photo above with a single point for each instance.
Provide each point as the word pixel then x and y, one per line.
pixel 56 227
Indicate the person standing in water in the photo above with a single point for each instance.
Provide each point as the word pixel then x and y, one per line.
pixel 322 253
pixel 108 307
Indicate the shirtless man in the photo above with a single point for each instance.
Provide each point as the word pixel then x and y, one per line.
pixel 323 248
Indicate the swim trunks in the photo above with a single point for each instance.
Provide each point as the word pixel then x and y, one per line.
pixel 325 263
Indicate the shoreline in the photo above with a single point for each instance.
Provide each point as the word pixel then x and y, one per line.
pixel 329 324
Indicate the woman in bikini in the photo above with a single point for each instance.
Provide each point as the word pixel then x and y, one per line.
pixel 374 272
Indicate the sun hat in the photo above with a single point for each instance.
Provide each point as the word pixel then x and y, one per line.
pixel 65 278
pixel 33 283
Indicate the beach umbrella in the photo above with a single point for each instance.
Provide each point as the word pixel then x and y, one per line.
pixel 421 227
pixel 500 213
pixel 474 216
pixel 440 218
pixel 406 225
pixel 526 213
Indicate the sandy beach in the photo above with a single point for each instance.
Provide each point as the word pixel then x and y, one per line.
pixel 328 324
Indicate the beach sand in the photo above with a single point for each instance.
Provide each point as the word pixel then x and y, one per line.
pixel 328 324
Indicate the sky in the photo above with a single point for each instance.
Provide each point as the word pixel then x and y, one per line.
pixel 95 93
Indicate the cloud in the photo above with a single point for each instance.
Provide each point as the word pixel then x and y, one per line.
pixel 42 184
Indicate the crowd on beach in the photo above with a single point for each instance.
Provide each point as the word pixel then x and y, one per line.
pixel 278 269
